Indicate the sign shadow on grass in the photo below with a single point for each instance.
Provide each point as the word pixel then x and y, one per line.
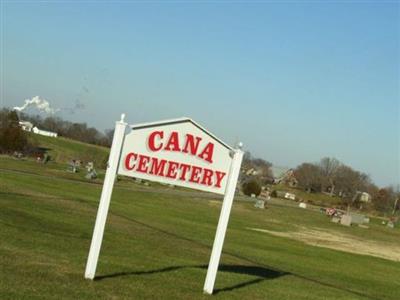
pixel 261 273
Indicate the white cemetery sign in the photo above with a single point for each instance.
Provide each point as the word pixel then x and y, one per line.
pixel 178 152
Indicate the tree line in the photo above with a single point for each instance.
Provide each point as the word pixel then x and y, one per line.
pixel 326 176
pixel 77 131
pixel 12 138
pixel 331 176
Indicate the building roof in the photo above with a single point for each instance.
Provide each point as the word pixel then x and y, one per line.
pixel 41 130
pixel 26 123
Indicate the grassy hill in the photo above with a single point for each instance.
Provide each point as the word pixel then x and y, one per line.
pixel 63 149
pixel 312 198
pixel 158 241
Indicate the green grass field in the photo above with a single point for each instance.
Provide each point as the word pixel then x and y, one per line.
pixel 158 241
pixel 63 149
pixel 315 198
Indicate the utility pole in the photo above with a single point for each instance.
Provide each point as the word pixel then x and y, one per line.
pixel 395 205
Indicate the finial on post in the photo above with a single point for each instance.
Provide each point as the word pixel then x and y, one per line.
pixel 238 147
pixel 122 118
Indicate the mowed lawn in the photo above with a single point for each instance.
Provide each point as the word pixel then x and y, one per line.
pixel 158 241
pixel 63 149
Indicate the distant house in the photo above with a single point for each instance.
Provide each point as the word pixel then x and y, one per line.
pixel 252 172
pixel 44 132
pixel 365 197
pixel 28 126
pixel 283 175
pixel 25 125
pixel 284 194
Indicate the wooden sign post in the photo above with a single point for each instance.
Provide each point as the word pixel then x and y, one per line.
pixel 112 165
pixel 178 152
pixel 223 222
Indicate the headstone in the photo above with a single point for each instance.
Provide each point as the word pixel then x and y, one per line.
pixel 302 205
pixel 18 154
pixel 357 219
pixel 390 224
pixel 90 166
pixel 330 211
pixel 290 196
pixel 335 219
pixel 346 220
pixel 91 172
pixel 259 204
pixel 91 175
pixel 72 167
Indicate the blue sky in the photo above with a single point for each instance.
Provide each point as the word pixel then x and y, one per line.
pixel 294 82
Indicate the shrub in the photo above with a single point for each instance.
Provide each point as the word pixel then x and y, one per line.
pixel 12 138
pixel 251 187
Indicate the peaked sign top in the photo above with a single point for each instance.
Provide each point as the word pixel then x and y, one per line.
pixel 177 121
pixel 177 152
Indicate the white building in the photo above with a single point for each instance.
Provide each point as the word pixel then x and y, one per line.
pixel 365 197
pixel 28 126
pixel 44 132
pixel 25 125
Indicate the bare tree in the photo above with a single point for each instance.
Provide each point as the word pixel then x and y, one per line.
pixel 396 205
pixel 350 184
pixel 264 166
pixel 247 159
pixel 308 176
pixel 384 200
pixel 77 131
pixel 12 137
pixel 329 167
pixel 109 134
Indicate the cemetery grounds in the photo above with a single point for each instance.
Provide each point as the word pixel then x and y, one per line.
pixel 158 241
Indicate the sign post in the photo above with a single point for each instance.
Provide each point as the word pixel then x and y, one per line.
pixel 105 198
pixel 178 152
pixel 223 221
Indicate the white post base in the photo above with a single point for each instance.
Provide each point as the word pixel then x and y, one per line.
pixel 223 222
pixel 105 198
